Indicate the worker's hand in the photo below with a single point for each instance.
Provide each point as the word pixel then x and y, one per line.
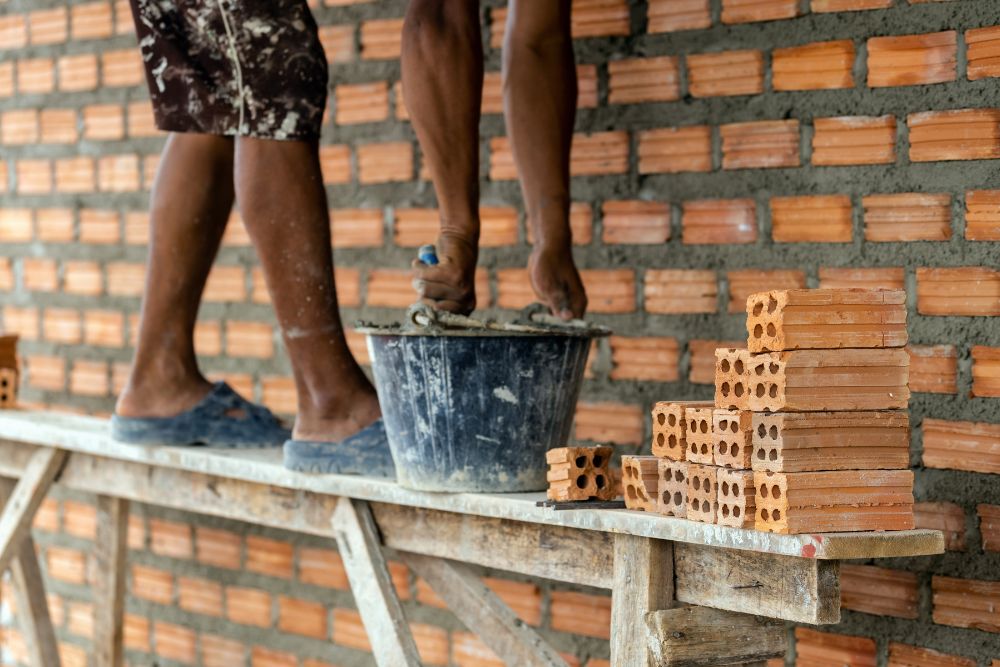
pixel 557 282
pixel 451 284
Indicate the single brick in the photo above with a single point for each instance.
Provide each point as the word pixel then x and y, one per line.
pixel 78 72
pixel 699 435
pixel 19 127
pixel 721 221
pixel 970 291
pixel 651 359
pixel 982 215
pixel 381 39
pixel 671 291
pixel 357 227
pixel 989 526
pixel 820 380
pixel 732 384
pixel 121 68
pixel 639 80
pixel 949 518
pixel 13 31
pixel 838 501
pixel 744 283
pixel 854 140
pixel 901 655
pixel 58 126
pixel 955 445
pixel 821 6
pixel 911 60
pixel 675 15
pixel 702 492
pixel 335 163
pixel 736 498
pixel 600 18
pixel 579 473
pixel 907 217
pixel 361 103
pixel 726 73
pixel 815 66
pixel 639 480
pixel 983 52
pixel 817 441
pixel 673 150
pixel 933 369
pixel 961 134
pixel 864 278
pixel 812 219
pixel 985 371
pixel 92 20
pixel 385 162
pixel 36 75
pixel 670 428
pixel 966 603
pixel 635 222
pixel 733 430
pixel 751 11
pixel 599 153
pixel 671 497
pixel 879 590
pixel 760 144
pixel 174 642
pixel 338 42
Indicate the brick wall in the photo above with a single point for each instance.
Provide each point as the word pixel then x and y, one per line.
pixel 722 147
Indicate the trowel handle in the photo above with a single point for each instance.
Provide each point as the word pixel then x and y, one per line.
pixel 428 255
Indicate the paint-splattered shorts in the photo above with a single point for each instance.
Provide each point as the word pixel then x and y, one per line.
pixel 233 67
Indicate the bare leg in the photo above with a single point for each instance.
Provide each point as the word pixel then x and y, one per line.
pixel 538 56
pixel 280 192
pixel 442 63
pixel 190 204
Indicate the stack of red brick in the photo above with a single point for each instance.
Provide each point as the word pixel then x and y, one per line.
pixel 809 430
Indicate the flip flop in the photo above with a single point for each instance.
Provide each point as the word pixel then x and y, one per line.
pixel 364 453
pixel 222 419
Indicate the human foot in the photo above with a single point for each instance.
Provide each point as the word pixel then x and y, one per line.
pixel 161 397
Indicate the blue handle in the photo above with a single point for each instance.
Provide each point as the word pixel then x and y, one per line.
pixel 428 255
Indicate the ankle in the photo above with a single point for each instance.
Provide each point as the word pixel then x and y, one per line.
pixel 336 421
pixel 153 393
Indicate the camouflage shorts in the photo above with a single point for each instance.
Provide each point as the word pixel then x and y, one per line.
pixel 233 67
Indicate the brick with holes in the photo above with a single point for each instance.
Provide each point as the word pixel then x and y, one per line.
pixel 815 441
pixel 732 430
pixel 579 473
pixel 670 428
pixel 671 493
pixel 829 380
pixel 834 501
pixel 736 498
pixel 731 388
pixel 699 437
pixel 9 378
pixel 702 497
pixel 639 482
pixel 826 319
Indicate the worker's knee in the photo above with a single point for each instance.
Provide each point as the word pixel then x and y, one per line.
pixel 440 19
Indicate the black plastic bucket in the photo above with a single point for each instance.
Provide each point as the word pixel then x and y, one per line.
pixel 477 410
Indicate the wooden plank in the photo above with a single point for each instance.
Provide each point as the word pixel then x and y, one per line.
pixel 109 585
pixel 29 595
pixel 481 611
pixel 794 589
pixel 551 552
pixel 644 582
pixel 691 636
pixel 357 538
pixel 18 513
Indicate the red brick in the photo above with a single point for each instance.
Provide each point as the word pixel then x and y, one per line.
pixel 911 60
pixel 724 221
pixel 84 278
pixel 820 6
pixel 48 26
pixel 989 526
pixel 58 126
pixel 13 31
pixel 335 163
pixel 726 73
pixel 248 606
pixel 966 603
pixel 954 445
pixel 745 282
pixel 15 225
pixel 985 371
pixel 760 144
pixel 92 20
pixel 879 590
pixel 219 548
pixel 19 126
pixel 824 649
pixel 322 567
pixel 75 175
pixel 338 42
pixel 348 630
pixel 121 68
pixel 123 18
pixel 949 518
pixel 79 519
pixel 36 75
pixel 645 359
pixel 89 378
pixel 750 11
pixel 982 215
pixel 815 66
pixel 39 275
pixel 170 538
pixel 674 15
pixel 136 633
pixel 279 394
pixel 270 557
pixel 226 283
pixel 854 140
pixel 207 338
pixel 674 291
pixel 78 72
pixel 199 596
pixel 635 222
pixel 362 103
pixel 907 217
pixel 933 369
pixel 391 288
pixel 47 372
pixel 983 52
pixel 22 321
pixel 249 339
pixel 432 644
pixel 174 642
pixel 301 617
pixel 357 227
pixel 581 613
pixel 638 80
pixel 33 177
pixel 61 325
pixel 118 173
pixel 863 278
pixel 100 226
pixel 221 652
pixel 380 39
pixel 265 657
pixel 675 149
pixel 599 153
pixel 470 651
pixel 6 275
pixel 385 162
pixel 6 80
pixel 600 18
pixel 812 219
pixel 901 655
pixel 970 291
pixel 153 584
pixel 67 565
pixel 609 423
pixel 961 134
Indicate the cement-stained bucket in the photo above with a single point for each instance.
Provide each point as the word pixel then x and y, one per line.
pixel 473 406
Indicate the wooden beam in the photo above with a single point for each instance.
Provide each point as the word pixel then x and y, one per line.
pixel 30 599
pixel 481 611
pixel 109 585
pixel 644 582
pixel 381 613
pixel 551 552
pixel 691 636
pixel 785 587
pixel 18 513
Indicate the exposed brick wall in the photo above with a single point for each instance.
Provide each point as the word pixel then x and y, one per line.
pixel 722 147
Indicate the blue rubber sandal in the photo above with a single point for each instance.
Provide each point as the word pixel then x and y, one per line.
pixel 364 453
pixel 222 419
